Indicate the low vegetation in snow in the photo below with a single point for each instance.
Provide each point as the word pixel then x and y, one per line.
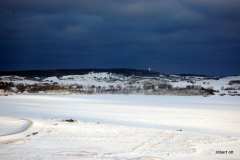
pixel 110 83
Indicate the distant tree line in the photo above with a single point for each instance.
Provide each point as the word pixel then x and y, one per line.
pixel 146 89
pixel 64 72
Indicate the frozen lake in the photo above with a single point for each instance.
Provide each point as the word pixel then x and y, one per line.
pixel 122 127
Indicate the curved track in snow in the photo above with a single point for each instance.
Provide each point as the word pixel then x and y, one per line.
pixel 22 130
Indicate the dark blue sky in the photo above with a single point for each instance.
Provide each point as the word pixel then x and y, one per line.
pixel 177 36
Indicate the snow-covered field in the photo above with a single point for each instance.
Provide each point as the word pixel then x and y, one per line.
pixel 119 127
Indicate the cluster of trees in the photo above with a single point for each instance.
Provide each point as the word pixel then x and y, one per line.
pixel 6 86
pixel 147 89
pixel 235 82
pixel 231 88
pixel 11 87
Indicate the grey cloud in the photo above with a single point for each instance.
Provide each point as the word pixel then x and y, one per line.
pixel 130 33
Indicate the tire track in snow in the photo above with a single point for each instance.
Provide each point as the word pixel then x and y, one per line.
pixel 168 143
pixel 147 146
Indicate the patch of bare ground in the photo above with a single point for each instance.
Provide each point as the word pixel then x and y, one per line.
pixel 11 141
pixel 83 154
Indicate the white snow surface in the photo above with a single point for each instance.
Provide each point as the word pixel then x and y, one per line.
pixel 120 127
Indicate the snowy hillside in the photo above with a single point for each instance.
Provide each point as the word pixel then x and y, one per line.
pixel 105 79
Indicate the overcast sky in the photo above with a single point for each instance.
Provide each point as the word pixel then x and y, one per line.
pixel 170 36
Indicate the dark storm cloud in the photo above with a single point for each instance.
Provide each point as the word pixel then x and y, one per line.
pixel 179 36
